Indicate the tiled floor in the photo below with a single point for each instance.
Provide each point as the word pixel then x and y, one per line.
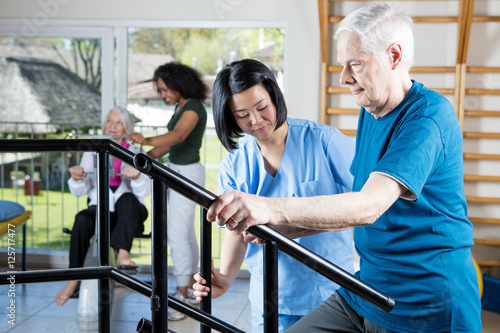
pixel 36 311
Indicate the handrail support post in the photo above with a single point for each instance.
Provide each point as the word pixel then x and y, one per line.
pixel 103 239
pixel 159 260
pixel 206 263
pixel 270 287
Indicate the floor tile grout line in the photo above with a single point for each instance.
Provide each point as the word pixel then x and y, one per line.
pixel 28 317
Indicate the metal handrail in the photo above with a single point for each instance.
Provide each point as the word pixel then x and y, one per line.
pixel 159 286
pixel 45 176
pixel 163 175
pixel 205 198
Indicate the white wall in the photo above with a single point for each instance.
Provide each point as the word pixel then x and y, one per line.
pixel 301 18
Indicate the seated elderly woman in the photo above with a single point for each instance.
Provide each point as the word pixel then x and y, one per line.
pixel 128 188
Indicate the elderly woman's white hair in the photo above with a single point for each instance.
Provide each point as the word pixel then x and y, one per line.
pixel 127 119
pixel 378 27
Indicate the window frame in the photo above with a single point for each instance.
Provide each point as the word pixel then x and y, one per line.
pixel 116 31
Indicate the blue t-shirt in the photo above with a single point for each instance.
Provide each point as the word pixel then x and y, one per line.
pixel 316 161
pixel 418 251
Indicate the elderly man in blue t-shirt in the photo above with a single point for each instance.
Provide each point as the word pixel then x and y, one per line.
pixel 407 206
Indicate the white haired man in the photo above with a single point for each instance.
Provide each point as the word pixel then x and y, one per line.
pixel 408 206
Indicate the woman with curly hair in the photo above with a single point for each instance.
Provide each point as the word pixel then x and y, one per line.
pixel 183 87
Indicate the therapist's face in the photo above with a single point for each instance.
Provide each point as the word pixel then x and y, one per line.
pixel 254 112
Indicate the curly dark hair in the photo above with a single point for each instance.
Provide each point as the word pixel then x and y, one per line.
pixel 233 79
pixel 181 78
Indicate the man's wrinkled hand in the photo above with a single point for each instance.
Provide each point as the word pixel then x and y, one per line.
pixel 239 211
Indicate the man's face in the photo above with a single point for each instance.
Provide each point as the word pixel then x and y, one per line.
pixel 366 76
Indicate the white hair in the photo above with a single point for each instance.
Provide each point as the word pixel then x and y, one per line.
pixel 127 119
pixel 378 27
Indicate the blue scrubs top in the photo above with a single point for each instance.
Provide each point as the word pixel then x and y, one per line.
pixel 418 251
pixel 316 161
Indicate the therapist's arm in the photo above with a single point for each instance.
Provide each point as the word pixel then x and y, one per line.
pixel 231 257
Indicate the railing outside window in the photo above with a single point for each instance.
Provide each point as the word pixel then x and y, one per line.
pixel 38 181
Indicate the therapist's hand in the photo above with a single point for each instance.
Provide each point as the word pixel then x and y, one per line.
pixel 220 284
pixel 239 211
pixel 249 238
pixel 137 138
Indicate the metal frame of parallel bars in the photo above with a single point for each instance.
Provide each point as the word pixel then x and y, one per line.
pixel 164 178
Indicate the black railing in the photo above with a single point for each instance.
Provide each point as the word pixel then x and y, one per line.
pixel 164 178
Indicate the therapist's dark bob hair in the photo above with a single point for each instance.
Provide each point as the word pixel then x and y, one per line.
pixel 233 79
